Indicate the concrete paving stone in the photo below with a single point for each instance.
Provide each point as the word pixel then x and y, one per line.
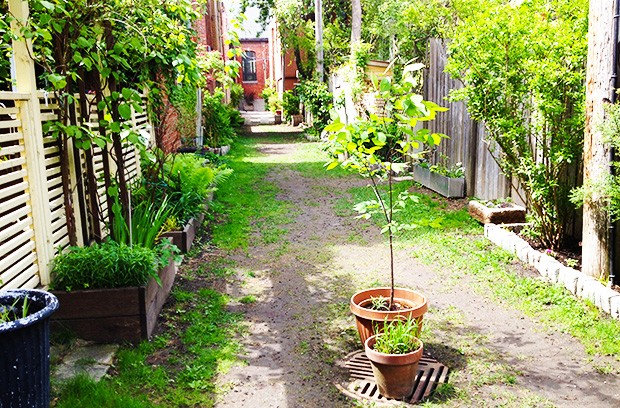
pixel 587 288
pixel 604 296
pixel 568 277
pixel 91 359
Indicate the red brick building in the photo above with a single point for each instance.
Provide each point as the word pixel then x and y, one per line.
pixel 284 73
pixel 211 30
pixel 255 66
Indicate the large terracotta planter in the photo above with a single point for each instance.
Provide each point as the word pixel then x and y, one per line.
pixel 394 373
pixel 368 319
pixel 114 315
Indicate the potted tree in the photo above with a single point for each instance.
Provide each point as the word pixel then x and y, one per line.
pixel 394 355
pixel 25 351
pixel 379 148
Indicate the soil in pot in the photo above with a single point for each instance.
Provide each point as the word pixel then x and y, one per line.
pixel 414 306
pixel 394 373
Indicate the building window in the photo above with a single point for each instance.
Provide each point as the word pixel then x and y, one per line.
pixel 249 66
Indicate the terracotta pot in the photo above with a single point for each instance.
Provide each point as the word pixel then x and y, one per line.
pixel 368 319
pixel 394 373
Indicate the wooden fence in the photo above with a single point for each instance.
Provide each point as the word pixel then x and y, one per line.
pixel 467 141
pixel 33 224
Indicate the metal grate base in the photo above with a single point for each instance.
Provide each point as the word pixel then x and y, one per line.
pixel 362 383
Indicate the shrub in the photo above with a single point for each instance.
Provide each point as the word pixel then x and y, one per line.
pixel 105 265
pixel 290 104
pixel 318 100
pixel 217 116
pixel 524 75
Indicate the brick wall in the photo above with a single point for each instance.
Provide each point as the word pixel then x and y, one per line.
pixel 261 47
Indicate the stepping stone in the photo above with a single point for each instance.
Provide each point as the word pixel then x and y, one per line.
pixel 93 360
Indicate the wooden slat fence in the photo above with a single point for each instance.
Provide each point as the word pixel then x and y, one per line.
pixel 467 143
pixel 21 265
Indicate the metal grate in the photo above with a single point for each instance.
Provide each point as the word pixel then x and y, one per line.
pixel 362 384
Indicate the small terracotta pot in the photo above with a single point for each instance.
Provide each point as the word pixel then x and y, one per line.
pixel 394 373
pixel 368 319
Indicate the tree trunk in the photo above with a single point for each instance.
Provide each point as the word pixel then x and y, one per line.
pixel 596 159
pixel 356 24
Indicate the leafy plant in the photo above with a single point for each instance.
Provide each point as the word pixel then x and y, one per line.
pixel 17 310
pixel 444 168
pixel 356 146
pixel 399 336
pixel 524 73
pixel 290 104
pixel 317 99
pixel 105 265
pixel 379 303
pixel 218 120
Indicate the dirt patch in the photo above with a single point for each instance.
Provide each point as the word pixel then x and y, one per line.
pixel 299 325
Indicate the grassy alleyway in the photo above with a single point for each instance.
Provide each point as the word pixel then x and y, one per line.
pixel 259 316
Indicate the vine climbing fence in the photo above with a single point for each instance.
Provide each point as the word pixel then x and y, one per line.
pixel 33 215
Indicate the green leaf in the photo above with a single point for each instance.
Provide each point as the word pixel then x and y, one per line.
pixel 332 165
pixel 125 111
pixel 385 85
pixel 334 127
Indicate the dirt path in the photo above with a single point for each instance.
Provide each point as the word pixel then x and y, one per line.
pixel 299 327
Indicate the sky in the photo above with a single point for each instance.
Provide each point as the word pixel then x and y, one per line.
pixel 251 29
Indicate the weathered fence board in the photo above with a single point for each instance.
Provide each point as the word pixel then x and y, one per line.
pixel 466 143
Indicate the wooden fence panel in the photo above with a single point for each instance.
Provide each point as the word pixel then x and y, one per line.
pixel 20 266
pixel 18 259
pixel 466 143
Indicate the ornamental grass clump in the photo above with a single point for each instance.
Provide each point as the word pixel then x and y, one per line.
pixel 104 266
pixel 398 337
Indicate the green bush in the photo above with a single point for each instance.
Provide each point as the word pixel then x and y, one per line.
pixel 217 120
pixel 236 94
pixel 523 72
pixel 290 104
pixel 318 100
pixel 105 265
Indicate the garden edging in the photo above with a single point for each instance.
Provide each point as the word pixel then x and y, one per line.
pixel 578 283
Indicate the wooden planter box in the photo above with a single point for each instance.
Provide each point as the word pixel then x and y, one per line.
pixel 114 315
pixel 185 238
pixel 446 186
pixel 296 120
pixel 508 214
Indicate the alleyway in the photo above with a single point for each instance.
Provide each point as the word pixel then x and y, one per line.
pixel 299 325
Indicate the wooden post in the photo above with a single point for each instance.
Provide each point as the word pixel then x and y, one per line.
pixel 25 82
pixel 318 28
pixel 596 160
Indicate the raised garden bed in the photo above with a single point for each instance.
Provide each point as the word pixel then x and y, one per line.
pixel 504 213
pixel 446 186
pixel 184 238
pixel 114 315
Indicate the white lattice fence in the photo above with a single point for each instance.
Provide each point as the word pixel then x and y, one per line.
pixel 18 258
pixel 31 234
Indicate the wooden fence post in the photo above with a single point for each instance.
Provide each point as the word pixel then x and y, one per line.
pixel 25 82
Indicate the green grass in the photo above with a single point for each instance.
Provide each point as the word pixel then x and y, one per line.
pixel 169 371
pixel 83 392
pixel 249 203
